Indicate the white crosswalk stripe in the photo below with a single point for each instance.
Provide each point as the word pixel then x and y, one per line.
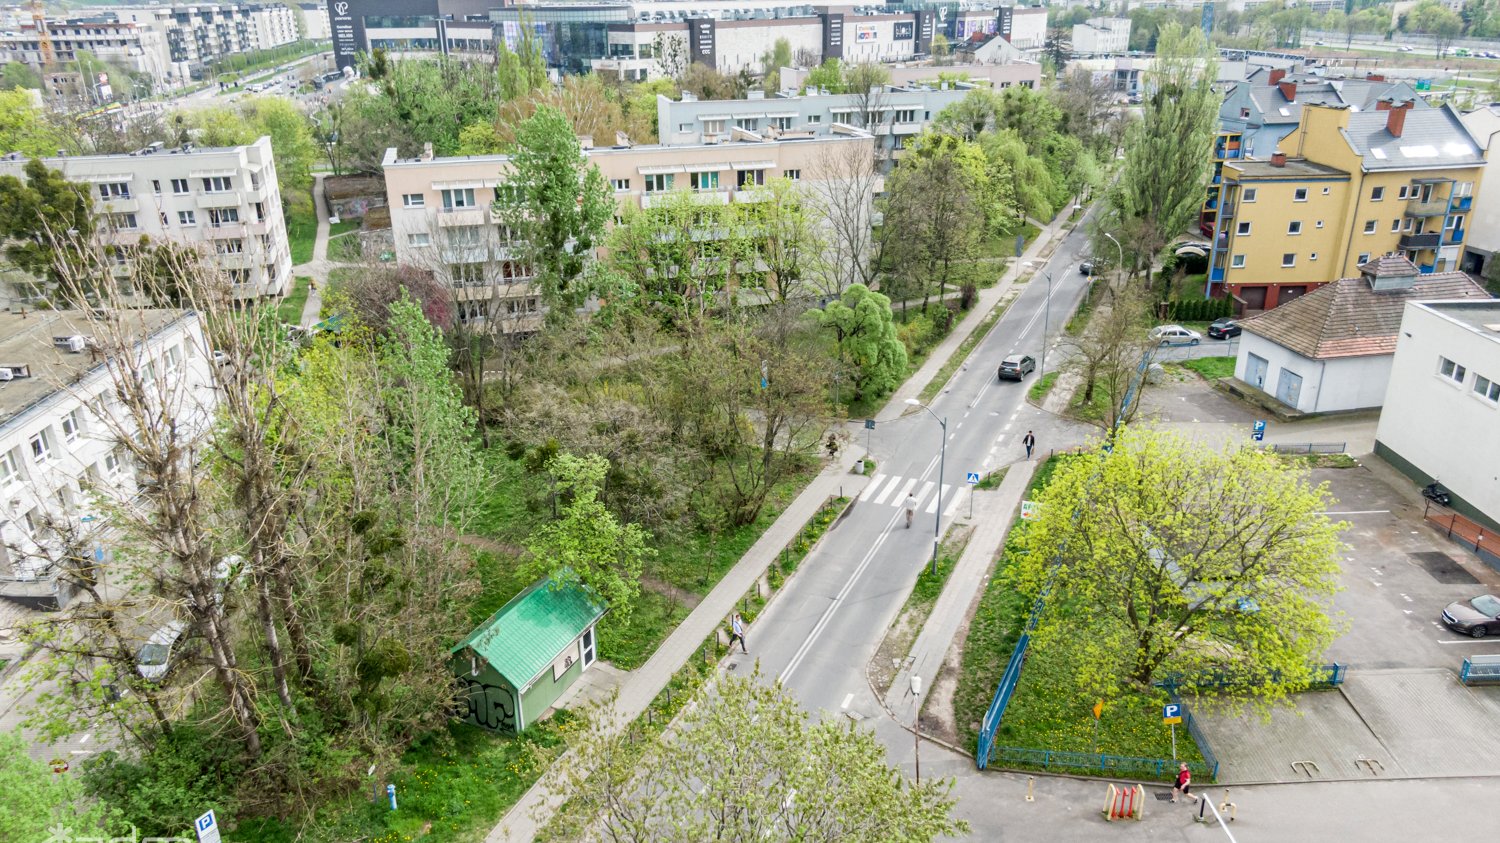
pixel 874 484
pixel 947 490
pixel 889 488
pixel 901 495
pixel 953 507
pixel 921 495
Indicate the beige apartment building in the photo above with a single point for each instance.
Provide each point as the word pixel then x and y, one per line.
pixel 223 200
pixel 441 219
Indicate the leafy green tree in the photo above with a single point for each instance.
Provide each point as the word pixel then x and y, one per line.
pixel 784 236
pixel 16 75
pixel 1164 172
pixel 586 543
pixel 939 206
pixel 779 56
pixel 864 329
pixel 556 203
pixel 827 76
pixel 1190 560
pixel 746 762
pixel 25 127
pixel 1433 19
pixel 523 71
pixel 941 50
pixel 290 132
pixel 42 218
pixel 480 139
pixel 39 803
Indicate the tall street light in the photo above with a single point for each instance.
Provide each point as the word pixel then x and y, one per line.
pixel 937 522
pixel 1046 315
pixel 1121 264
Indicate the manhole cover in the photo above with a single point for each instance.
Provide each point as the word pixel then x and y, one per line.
pixel 1162 797
pixel 1442 567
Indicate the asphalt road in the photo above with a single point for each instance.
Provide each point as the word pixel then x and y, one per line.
pixel 819 635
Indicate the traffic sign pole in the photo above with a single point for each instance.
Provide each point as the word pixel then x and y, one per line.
pixel 1174 741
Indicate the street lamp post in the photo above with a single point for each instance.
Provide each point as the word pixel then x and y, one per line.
pixel 1046 316
pixel 1121 249
pixel 937 521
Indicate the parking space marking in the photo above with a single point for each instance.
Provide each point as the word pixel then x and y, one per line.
pixel 847 700
pixel 1360 512
pixel 1473 641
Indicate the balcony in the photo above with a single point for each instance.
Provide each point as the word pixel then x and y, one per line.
pixel 1227 212
pixel 224 230
pixel 449 216
pixel 1427 268
pixel 120 205
pixel 1463 203
pixel 1454 237
pixel 219 199
pixel 1418 242
pixel 1217 274
pixel 1430 208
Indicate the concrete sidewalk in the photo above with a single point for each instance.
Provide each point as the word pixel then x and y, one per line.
pixel 317 268
pixel 531 812
pixel 993 512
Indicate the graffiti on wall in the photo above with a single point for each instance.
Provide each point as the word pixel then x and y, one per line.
pixel 487 706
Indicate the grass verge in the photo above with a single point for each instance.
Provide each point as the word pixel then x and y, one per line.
pixel 289 311
pixel 1322 460
pixel 1212 368
pixel 896 645
pixel 345 249
pixel 1038 391
pixel 992 480
pixel 301 227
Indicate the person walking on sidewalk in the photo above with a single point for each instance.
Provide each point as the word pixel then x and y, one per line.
pixel 911 508
pixel 1184 783
pixel 737 631
pixel 1030 442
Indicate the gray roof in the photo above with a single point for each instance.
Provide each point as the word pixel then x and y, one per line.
pixel 1296 168
pixel 1481 317
pixel 1347 318
pixel 1358 94
pixel 26 340
pixel 1432 137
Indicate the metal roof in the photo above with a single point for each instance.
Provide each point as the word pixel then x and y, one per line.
pixel 1432 137
pixel 521 639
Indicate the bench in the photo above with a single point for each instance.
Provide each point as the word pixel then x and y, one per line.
pixel 1477 669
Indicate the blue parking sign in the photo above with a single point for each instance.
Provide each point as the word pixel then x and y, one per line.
pixel 1258 430
pixel 207 827
pixel 1171 714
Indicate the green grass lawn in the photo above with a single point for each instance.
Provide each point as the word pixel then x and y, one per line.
pixel 301 227
pixel 1043 385
pixel 345 249
pixel 289 311
pixel 1212 368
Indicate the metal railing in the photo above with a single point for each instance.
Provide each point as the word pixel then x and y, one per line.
pixel 1306 447
pixel 1098 762
pixel 1323 676
pixel 1480 669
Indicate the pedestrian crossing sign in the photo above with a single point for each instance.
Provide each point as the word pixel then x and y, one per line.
pixel 973 477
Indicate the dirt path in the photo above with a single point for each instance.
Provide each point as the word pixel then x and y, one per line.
pixel 666 589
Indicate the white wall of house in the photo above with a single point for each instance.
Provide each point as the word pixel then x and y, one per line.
pixel 1483 235
pixel 1438 423
pixel 1327 386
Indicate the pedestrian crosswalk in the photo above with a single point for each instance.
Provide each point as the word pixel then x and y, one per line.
pixel 892 490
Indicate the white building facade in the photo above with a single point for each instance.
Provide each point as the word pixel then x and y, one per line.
pixel 60 456
pixel 224 201
pixel 1102 36
pixel 1441 419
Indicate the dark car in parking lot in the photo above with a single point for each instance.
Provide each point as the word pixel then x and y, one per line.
pixel 1223 329
pixel 1016 367
pixel 1475 617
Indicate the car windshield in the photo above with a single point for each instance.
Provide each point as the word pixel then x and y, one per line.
pixel 1488 604
pixel 153 655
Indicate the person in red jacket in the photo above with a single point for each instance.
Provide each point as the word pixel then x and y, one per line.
pixel 1184 783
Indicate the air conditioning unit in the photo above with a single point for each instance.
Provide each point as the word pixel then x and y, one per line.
pixel 5 375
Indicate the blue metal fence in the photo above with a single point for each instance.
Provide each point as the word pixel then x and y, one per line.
pixel 1323 676
pixel 1122 765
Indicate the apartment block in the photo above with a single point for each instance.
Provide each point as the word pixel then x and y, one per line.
pixel 1346 186
pixel 441 219
pixel 141 49
pixel 224 200
pixel 896 113
pixel 1442 405
pixel 197 35
pixel 1097 36
pixel 60 458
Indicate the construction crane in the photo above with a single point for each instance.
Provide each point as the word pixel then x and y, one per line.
pixel 43 36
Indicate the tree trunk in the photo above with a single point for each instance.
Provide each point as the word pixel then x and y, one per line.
pixel 273 643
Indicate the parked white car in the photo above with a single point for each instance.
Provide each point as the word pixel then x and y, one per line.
pixel 1175 335
pixel 156 653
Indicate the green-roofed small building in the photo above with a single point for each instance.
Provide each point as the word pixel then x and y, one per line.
pixel 520 661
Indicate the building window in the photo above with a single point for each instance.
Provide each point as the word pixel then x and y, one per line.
pixel 1299 195
pixel 122 222
pixel 1289 259
pixel 658 182
pixel 1319 224
pixel 41 447
pixel 1377 194
pixel 1237 262
pixel 420 238
pixel 1313 256
pixel 1449 369
pixel 187 218
pixel 156 186
pixel 10 468
pixel 1369 226
pixel 1364 257
pixel 114 190
pixel 781 123
pixel 1401 194
pixel 815 118
pixel 232 246
pixel 1244 114
pixel 749 178
pixel 1325 191
pixel 458 198
pixel 220 217
pixel 907 115
pixel 1294 227
pixel 713 127
pixel 72 423
pixel 1242 229
pixel 620 185
pixel 745 123
pixel 706 181
pixel 413 200
pixel 112 462
pixel 218 184
pixel 1248 194
pixel 260 212
pixel 164 221
pixel 1486 388
pixel 792 175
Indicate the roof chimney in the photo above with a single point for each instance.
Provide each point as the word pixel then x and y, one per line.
pixel 1288 90
pixel 1374 77
pixel 426 152
pixel 1278 159
pixel 1395 120
pixel 1276 76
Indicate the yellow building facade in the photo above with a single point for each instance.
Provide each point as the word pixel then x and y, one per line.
pixel 1346 186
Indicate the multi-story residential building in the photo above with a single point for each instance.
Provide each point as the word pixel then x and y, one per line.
pixel 1258 113
pixel 1347 186
pixel 1097 36
pixel 224 200
pixel 1023 74
pixel 652 38
pixel 199 34
pixel 1442 404
pixel 896 113
pixel 441 219
pixel 59 457
pixel 314 17
pixel 141 49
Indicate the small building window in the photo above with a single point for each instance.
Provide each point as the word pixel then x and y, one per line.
pixel 1289 259
pixel 1364 257
pixel 792 175
pixel 1377 194
pixel 1248 194
pixel 1294 227
pixel 1486 388
pixel 620 185
pixel 1451 370
pixel 1369 226
pixel 413 200
pixel 419 238
pixel 1395 226
pixel 658 182
pixel 1243 229
pixel 1299 195
pixel 1237 262
pixel 706 181
pixel 41 447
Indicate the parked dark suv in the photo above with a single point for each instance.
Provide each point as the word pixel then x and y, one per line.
pixel 1223 329
pixel 1016 367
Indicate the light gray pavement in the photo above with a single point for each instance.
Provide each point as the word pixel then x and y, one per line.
pixel 994 512
pixel 316 269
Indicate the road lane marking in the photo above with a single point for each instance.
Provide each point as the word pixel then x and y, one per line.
pixel 874 484
pixel 932 507
pixel 847 700
pixel 1473 641
pixel 901 496
pixel 948 513
pixel 1360 512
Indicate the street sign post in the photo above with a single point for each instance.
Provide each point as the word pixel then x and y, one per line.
pixel 1258 431
pixel 973 478
pixel 1171 714
pixel 869 426
pixel 207 827
pixel 1098 710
